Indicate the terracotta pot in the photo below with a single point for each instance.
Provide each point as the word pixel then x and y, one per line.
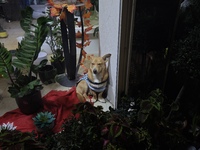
pixel 31 103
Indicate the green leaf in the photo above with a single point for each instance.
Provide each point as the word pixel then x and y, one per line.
pixel 119 132
pixel 6 67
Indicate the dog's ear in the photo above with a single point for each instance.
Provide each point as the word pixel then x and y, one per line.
pixel 106 56
pixel 90 57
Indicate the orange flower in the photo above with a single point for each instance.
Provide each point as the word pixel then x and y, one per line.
pixel 88 28
pixel 84 53
pixel 87 15
pixel 71 8
pixel 87 43
pixel 58 6
pixel 79 45
pixel 51 2
pixel 88 5
pixel 87 22
pixel 62 15
pixel 54 12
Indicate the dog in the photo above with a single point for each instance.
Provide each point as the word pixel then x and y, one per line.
pixel 95 81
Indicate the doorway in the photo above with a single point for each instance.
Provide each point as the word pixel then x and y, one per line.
pixel 146 35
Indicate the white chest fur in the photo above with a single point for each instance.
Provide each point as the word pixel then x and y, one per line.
pixel 97 78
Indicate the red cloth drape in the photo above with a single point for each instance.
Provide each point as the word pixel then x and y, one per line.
pixel 59 103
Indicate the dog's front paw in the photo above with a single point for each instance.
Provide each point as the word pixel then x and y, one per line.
pixel 102 100
pixel 93 100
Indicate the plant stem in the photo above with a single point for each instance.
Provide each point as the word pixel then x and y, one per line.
pixel 176 100
pixel 171 43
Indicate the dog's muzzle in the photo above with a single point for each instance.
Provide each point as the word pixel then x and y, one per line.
pixel 95 71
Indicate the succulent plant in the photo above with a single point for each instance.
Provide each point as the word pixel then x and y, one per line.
pixel 44 120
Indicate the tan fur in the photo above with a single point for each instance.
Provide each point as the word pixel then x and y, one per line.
pixel 97 72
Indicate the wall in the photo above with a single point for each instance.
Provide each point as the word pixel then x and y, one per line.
pixel 109 36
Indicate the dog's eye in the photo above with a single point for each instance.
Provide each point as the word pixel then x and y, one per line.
pixel 99 64
pixel 92 63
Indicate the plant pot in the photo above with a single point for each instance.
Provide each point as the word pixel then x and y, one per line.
pixel 59 65
pixel 47 74
pixel 31 103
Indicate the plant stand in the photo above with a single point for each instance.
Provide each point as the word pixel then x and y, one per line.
pixel 63 80
pixel 69 45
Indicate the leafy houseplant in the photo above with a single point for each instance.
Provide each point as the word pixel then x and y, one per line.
pixel 20 70
pixel 96 129
pixel 44 121
pixel 47 72
pixel 150 122
pixel 13 139
pixel 54 40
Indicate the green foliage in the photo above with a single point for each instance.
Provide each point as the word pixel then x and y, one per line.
pixel 44 120
pixel 57 56
pixel 54 39
pixel 23 86
pixel 92 128
pixel 18 140
pixel 6 67
pixel 186 63
pixel 21 77
pixel 151 107
pixel 31 45
pixel 36 68
pixel 26 14
pixel 95 3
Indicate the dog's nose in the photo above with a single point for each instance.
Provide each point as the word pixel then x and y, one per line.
pixel 95 71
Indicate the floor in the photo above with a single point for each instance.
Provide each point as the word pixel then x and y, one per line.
pixel 6 102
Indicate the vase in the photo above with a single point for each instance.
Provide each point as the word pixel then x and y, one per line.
pixel 30 103
pixel 47 74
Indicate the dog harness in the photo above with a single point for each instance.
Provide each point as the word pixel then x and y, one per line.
pixel 96 87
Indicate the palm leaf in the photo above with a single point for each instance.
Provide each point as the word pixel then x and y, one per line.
pixel 26 19
pixel 31 45
pixel 6 68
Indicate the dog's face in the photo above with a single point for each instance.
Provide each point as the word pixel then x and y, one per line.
pixel 97 65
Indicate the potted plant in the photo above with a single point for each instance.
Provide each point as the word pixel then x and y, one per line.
pixel 58 61
pixel 24 86
pixel 47 72
pixel 54 40
pixel 44 121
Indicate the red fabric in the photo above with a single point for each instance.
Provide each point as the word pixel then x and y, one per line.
pixel 59 103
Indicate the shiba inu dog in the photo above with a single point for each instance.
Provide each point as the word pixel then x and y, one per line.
pixel 95 82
